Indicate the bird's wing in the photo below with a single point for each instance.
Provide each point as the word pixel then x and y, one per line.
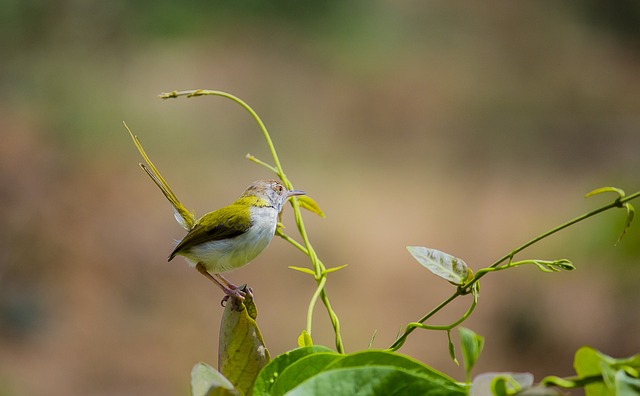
pixel 223 223
pixel 182 214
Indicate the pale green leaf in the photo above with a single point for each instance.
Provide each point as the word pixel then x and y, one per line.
pixel 472 345
pixel 207 381
pixel 490 384
pixel 442 264
pixel 626 384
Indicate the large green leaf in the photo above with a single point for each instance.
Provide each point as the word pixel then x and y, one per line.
pixel 442 264
pixel 297 372
pixel 241 353
pixel 268 376
pixel 370 381
pixel 301 370
pixel 399 361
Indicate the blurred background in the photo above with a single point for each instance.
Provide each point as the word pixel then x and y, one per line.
pixel 463 127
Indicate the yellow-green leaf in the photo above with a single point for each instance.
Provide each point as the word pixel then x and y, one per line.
pixel 601 190
pixel 334 269
pixel 304 339
pixel 303 270
pixel 242 352
pixel 306 202
pixel 630 213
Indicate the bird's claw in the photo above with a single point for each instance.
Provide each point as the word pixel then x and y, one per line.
pixel 236 293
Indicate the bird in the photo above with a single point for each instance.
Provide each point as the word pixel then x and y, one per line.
pixel 227 238
pixel 230 237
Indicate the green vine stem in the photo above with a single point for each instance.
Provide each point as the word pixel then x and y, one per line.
pixel 466 288
pixel 319 270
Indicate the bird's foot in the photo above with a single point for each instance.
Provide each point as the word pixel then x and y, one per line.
pixel 239 292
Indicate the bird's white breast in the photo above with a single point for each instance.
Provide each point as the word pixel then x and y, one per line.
pixel 233 253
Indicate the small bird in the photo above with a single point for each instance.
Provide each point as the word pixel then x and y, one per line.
pixel 232 236
pixel 227 238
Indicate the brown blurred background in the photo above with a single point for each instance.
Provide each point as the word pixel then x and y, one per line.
pixel 463 127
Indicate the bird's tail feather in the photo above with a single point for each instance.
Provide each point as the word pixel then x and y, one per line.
pixel 183 216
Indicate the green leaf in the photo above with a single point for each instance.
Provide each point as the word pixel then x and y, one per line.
pixel 242 352
pixel 399 361
pixel 442 264
pixel 371 380
pixel 301 370
pixel 207 381
pixel 563 264
pixel 489 384
pixel 626 384
pixel 304 339
pixel 630 209
pixel 306 202
pixel 452 348
pixel 588 363
pixel 373 338
pixel 601 190
pixel 472 345
pixel 303 270
pixel 334 269
pixel 554 266
pixel 318 370
pixel 630 213
pixel 272 371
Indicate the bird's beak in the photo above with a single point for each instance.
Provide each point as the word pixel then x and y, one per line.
pixel 291 193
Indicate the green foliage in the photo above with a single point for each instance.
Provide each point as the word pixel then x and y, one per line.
pixel 617 373
pixel 268 377
pixel 317 370
pixel 601 375
pixel 313 370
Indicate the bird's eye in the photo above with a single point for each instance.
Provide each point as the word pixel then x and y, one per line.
pixel 279 188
